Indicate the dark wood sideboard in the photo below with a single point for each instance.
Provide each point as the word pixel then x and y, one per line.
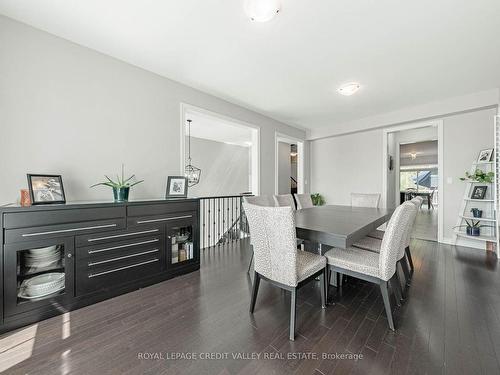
pixel 103 249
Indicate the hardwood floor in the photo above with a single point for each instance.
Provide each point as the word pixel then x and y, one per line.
pixel 426 224
pixel 450 324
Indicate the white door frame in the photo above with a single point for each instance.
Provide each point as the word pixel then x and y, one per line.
pixel 416 125
pixel 255 148
pixel 280 137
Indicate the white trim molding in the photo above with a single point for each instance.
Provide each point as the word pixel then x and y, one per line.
pixel 280 137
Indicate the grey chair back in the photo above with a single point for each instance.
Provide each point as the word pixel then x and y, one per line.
pixel 393 241
pixel 412 212
pixel 274 242
pixel 285 200
pixel 303 201
pixel 260 200
pixel 365 200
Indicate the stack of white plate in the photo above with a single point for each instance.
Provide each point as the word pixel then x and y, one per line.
pixel 42 257
pixel 42 285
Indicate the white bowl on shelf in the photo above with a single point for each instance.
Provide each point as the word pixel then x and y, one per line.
pixel 44 284
pixel 42 250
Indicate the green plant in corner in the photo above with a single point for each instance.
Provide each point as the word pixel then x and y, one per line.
pixel 121 186
pixel 479 176
pixel 318 199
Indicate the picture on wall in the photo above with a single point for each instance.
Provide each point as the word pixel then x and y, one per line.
pixel 177 187
pixel 485 155
pixel 479 192
pixel 46 189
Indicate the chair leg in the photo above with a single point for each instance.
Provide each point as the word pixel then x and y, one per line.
pixel 410 260
pixel 396 289
pixel 323 281
pixel 339 283
pixel 406 270
pixel 387 303
pixel 397 280
pixel 250 264
pixel 255 290
pixel 293 307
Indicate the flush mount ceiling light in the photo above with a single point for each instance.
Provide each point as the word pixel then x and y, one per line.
pixel 349 88
pixel 262 10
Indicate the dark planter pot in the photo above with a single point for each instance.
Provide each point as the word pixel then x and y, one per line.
pixel 476 212
pixel 121 194
pixel 473 231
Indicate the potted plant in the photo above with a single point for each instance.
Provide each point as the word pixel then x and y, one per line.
pixel 479 176
pixel 317 199
pixel 476 212
pixel 121 187
pixel 473 227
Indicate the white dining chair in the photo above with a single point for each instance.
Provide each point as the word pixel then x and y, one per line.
pixel 303 201
pixel 277 259
pixel 365 200
pixel 284 200
pixel 258 200
pixel 378 268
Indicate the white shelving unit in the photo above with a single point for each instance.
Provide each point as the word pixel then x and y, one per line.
pixel 496 168
pixel 488 205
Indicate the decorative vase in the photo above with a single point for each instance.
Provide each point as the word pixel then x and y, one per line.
pixel 476 212
pixel 473 231
pixel 25 198
pixel 121 194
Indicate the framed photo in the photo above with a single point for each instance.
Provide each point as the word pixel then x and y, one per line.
pixel 479 192
pixel 46 189
pixel 177 187
pixel 485 155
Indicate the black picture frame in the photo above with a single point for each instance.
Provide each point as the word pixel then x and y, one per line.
pixel 485 155
pixel 479 192
pixel 177 187
pixel 52 194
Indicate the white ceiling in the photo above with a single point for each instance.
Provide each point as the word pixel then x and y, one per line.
pixel 403 53
pixel 214 129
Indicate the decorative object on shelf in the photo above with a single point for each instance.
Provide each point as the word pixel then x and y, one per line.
pixel 476 212
pixel 46 189
pixel 121 187
pixel 479 192
pixel 479 176
pixel 317 199
pixel 192 173
pixel 485 155
pixel 473 227
pixel 177 187
pixel 25 198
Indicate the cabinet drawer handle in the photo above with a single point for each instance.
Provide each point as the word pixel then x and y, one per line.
pixel 122 235
pixel 123 268
pixel 123 257
pixel 68 230
pixel 123 246
pixel 163 219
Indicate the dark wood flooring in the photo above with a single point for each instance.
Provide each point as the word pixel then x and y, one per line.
pixel 450 324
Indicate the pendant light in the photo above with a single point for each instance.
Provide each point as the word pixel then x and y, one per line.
pixel 191 172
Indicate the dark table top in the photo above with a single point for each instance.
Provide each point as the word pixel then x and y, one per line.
pixel 339 226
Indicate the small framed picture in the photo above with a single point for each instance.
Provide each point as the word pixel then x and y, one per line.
pixel 46 189
pixel 479 192
pixel 177 187
pixel 485 155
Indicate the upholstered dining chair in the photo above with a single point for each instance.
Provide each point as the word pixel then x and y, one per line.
pixel 375 244
pixel 365 200
pixel 258 200
pixel 378 268
pixel 303 201
pixel 284 200
pixel 277 259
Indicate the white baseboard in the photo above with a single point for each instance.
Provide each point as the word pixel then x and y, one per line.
pixel 465 242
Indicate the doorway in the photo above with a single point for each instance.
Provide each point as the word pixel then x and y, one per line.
pixel 289 165
pixel 414 164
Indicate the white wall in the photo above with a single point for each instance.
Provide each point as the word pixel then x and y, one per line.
pixel 284 168
pixel 347 164
pixel 69 110
pixel 225 168
pixel 353 163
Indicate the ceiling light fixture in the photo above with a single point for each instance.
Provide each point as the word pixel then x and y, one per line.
pixel 349 88
pixel 262 10
pixel 413 155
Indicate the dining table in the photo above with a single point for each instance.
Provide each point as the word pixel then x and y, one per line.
pixel 338 226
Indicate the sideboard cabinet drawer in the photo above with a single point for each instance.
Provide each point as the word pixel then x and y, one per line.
pixel 53 231
pixel 162 209
pixel 48 217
